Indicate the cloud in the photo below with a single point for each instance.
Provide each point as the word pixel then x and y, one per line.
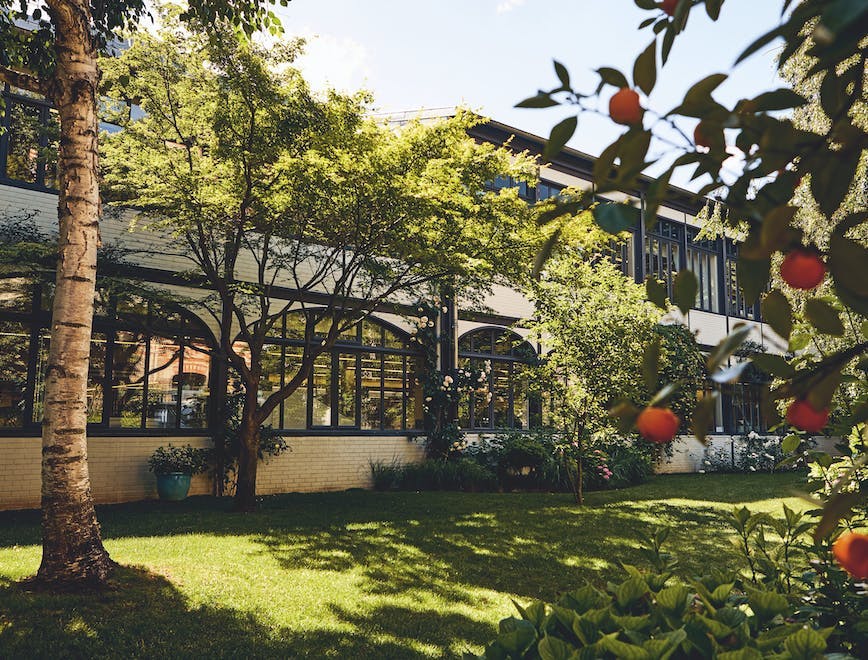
pixel 333 62
pixel 509 5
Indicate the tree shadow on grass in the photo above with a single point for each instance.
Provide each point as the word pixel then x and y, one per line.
pixel 142 614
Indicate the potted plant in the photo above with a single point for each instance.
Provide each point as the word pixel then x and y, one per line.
pixel 174 466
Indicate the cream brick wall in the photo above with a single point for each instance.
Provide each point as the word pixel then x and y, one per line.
pixel 319 463
pixel 688 452
pixel 119 469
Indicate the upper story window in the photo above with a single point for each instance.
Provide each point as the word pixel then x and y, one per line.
pixel 508 403
pixel 663 251
pixel 29 143
pixel 367 381
pixel 735 302
pixel 546 190
pixel 702 260
pixel 525 191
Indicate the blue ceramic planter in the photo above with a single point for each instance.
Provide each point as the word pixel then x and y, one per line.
pixel 174 486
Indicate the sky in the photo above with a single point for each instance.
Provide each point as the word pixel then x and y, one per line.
pixel 489 54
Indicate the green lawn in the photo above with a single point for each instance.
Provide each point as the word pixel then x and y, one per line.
pixel 353 574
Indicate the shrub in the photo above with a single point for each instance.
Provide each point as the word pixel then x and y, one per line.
pixel 747 453
pixel 186 460
pixel 461 474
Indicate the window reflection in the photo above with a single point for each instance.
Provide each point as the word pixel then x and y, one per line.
pixel 14 351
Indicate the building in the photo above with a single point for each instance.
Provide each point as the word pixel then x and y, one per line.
pixel 362 402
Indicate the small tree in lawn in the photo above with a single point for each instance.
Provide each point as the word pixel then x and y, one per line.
pixel 813 160
pixel 266 187
pixel 595 321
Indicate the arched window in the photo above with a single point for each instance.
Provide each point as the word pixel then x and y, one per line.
pixel 508 403
pixel 367 381
pixel 150 363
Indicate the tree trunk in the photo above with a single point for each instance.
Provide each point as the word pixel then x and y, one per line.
pixel 72 550
pixel 248 459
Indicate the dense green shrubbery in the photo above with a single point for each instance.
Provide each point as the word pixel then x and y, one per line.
pixel 520 460
pixel 787 600
pixel 432 474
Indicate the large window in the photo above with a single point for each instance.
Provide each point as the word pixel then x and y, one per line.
pixel 149 365
pixel 735 302
pixel 662 252
pixel 29 144
pixel 702 260
pixel 366 382
pixel 507 402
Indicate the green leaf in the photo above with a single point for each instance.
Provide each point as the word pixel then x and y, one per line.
pixel 613 77
pixel 655 290
pixel 604 164
pixel 774 365
pixel 777 312
pixel 841 14
pixel 703 89
pixel 824 317
pixel 767 38
pixel 727 346
pixel 766 605
pixel 559 136
pixel 545 252
pixel 552 648
pixel 779 99
pixel 830 183
pixel 746 653
pixel 562 74
pixel 864 329
pixel 645 68
pixel 798 342
pixel 790 443
pixel 847 260
pixel 541 100
pixel 839 506
pixel 805 644
pixel 674 600
pixel 623 650
pixel 629 591
pixel 651 363
pixel 703 415
pixel 753 277
pixel 615 218
pixel 664 394
pixel 684 290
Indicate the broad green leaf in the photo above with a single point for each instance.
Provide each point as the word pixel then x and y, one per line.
pixel 830 183
pixel 541 100
pixel 562 74
pixel 840 15
pixel 655 290
pixel 766 605
pixel 629 591
pixel 727 346
pixel 552 648
pixel 746 653
pixel 560 135
pixel 798 342
pixel 702 89
pixel 645 68
pixel 805 644
pixel 790 443
pixel 623 650
pixel 712 8
pixel 674 600
pixel 703 415
pixel 773 233
pixel 651 363
pixel 839 506
pixel 545 252
pixel 777 312
pixel 774 365
pixel 664 394
pixel 824 317
pixel 847 260
pixel 729 374
pixel 613 77
pixel 779 99
pixel 767 38
pixel 684 290
pixel 615 218
pixel 820 395
pixel 753 276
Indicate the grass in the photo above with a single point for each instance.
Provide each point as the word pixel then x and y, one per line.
pixel 354 574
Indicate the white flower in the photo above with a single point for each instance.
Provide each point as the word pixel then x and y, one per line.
pixel 444 309
pixel 423 320
pixel 428 398
pixel 447 380
pixel 752 468
pixel 488 397
pixel 769 456
pixel 707 462
pixel 701 471
pixel 753 435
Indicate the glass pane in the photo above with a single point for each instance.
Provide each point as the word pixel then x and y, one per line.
pixel 194 387
pixel 16 294
pixel 23 156
pixel 519 403
pixel 295 322
pixel 164 365
pixel 393 340
pixel 503 343
pixel 95 378
pixel 371 393
pixel 482 342
pixel 322 390
pixel 372 334
pixel 295 406
pixel 272 361
pixel 393 391
pixel 414 414
pixel 14 350
pixel 464 401
pixel 500 389
pixel 127 380
pixel 346 390
pixel 48 153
